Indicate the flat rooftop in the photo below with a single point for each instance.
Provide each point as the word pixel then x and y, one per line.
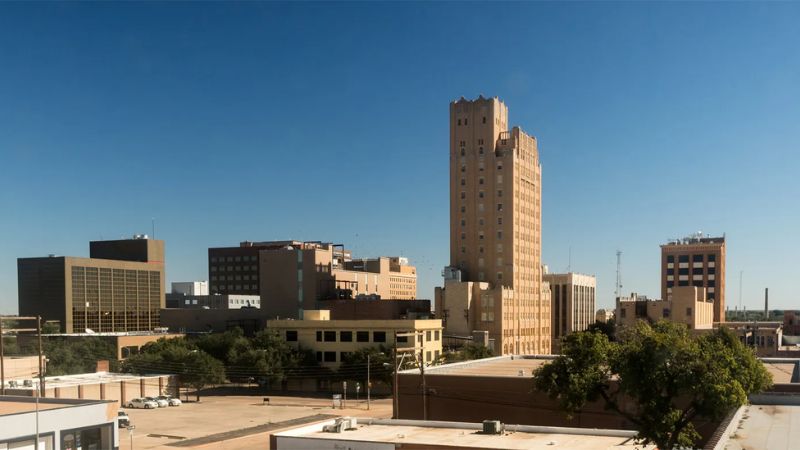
pixel 774 427
pixel 88 378
pixel 467 435
pixel 11 404
pixel 500 366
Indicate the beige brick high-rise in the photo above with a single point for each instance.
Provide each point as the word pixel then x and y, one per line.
pixel 494 281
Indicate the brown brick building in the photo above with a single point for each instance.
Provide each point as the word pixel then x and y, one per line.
pixel 695 261
pixel 120 287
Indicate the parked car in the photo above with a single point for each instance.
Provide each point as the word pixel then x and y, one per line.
pixel 123 420
pixel 172 401
pixel 141 403
pixel 158 401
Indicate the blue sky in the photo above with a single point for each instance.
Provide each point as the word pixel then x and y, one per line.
pixel 260 121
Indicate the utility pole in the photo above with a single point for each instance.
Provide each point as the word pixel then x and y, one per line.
pixel 618 287
pixel 368 383
pixel 740 293
pixel 2 365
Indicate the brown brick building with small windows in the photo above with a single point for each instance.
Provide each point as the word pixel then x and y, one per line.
pixel 695 261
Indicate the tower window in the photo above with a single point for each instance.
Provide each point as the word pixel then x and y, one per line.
pixel 484 119
pixel 465 121
pixel 480 180
pixel 463 182
pixel 459 122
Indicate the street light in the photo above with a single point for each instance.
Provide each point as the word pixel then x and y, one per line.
pixel 130 433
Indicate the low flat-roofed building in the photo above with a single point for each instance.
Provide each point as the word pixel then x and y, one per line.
pixel 118 387
pixel 216 301
pixel 388 434
pixel 62 424
pixel 199 320
pixel 383 309
pixel 687 305
pixel 190 287
pixel 331 340
pixel 500 388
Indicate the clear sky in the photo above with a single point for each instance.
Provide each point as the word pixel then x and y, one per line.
pixel 263 121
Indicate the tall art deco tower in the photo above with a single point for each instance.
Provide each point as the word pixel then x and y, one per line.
pixel 494 281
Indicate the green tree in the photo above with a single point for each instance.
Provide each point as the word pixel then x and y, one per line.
pixel 608 328
pixel 354 366
pixel 178 356
pixel 669 377
pixel 468 352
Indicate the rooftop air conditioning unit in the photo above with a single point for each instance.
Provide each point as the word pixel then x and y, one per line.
pixel 341 424
pixel 492 427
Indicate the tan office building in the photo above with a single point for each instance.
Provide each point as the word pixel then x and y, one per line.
pixel 696 261
pixel 688 305
pixel 291 276
pixel 494 281
pixel 572 303
pixel 119 288
pixel 331 340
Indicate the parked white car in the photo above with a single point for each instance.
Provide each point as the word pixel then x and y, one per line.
pixel 161 403
pixel 141 403
pixel 172 401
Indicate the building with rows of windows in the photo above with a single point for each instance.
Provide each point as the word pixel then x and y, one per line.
pixel 332 340
pixel 695 261
pixel 494 280
pixel 119 288
pixel 290 276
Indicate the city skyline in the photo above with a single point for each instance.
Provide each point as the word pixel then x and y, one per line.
pixel 654 121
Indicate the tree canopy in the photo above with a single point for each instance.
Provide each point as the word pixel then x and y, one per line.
pixel 468 352
pixel 669 378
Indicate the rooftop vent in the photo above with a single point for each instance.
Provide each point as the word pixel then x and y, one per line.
pixel 341 424
pixel 492 427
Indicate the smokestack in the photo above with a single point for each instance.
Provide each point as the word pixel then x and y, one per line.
pixel 766 303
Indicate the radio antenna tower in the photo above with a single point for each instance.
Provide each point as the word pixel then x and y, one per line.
pixel 618 287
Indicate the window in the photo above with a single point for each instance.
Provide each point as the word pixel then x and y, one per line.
pixel 480 194
pixel 463 235
pixel 427 356
pixel 480 150
pixel 463 222
pixel 480 180
pixel 436 335
pixel 463 195
pixel 428 335
pixel 463 209
pixel 463 182
pixel 291 335
pixel 712 270
pixel 712 258
pixel 378 336
pixel 480 249
pixel 330 336
pixel 697 271
pixel 362 336
pixel 499 220
pixel 465 121
pixel 402 339
pixel 346 336
pixel 688 312
pixel 683 283
pixel 484 119
pixel 499 206
pixel 670 258
pixel 499 193
pixel 697 258
pixel 319 336
pixel 499 235
pixel 683 258
pixel 499 166
pixel 622 312
pixel 463 249
pixel 459 122
pixel 319 356
pixel 330 356
pixel 665 313
pixel 684 271
pixel 463 169
pixel 499 276
pixel 463 152
pixel 343 356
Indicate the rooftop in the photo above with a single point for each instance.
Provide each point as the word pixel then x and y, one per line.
pixel 499 366
pixel 468 435
pixel 696 238
pixel 63 381
pixel 11 404
pixel 767 426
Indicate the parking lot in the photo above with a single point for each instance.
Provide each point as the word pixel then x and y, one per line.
pixel 233 422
